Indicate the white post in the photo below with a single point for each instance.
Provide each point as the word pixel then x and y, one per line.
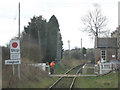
pixel 100 68
pixel 13 69
pixel 18 71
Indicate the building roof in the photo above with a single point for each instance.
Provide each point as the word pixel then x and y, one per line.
pixel 107 43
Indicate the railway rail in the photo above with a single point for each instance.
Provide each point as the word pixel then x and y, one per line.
pixel 67 80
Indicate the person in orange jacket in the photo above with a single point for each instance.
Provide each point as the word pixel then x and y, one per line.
pixel 52 64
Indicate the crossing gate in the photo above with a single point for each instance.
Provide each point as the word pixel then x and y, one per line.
pixel 103 68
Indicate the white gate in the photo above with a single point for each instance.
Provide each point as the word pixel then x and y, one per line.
pixel 103 68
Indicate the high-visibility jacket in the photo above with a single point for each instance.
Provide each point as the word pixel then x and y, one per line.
pixel 98 62
pixel 52 64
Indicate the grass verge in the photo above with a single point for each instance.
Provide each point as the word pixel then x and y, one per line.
pixel 107 81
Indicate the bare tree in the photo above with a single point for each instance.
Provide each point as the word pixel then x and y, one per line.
pixel 94 22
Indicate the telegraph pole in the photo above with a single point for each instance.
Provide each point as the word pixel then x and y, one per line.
pixel 81 43
pixel 69 48
pixel 69 44
pixel 19 23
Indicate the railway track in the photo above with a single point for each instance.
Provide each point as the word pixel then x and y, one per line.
pixel 68 79
pixel 67 82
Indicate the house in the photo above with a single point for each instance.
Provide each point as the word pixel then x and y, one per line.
pixel 106 49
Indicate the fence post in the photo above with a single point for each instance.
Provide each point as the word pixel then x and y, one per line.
pixel 100 68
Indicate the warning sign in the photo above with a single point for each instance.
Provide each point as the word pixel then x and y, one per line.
pixel 15 50
pixel 14 46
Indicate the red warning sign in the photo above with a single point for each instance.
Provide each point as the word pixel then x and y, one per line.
pixel 14 44
pixel 15 49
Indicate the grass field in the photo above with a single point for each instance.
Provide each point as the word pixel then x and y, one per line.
pixel 45 83
pixel 107 81
pixel 35 78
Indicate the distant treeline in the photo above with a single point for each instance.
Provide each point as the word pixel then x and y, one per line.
pixel 80 54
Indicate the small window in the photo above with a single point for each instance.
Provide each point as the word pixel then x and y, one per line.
pixel 103 54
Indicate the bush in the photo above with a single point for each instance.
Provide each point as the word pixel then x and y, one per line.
pixel 31 51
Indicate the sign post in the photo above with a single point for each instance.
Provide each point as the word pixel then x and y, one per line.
pixel 14 55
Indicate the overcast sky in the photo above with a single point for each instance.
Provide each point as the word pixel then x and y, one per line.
pixel 68 13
